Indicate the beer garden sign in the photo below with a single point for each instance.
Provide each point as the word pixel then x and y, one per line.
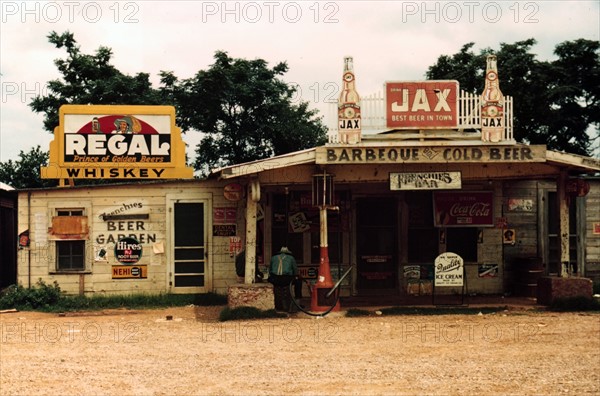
pixel 117 142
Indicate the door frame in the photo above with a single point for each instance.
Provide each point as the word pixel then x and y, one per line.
pixel 544 232
pixel 396 257
pixel 206 200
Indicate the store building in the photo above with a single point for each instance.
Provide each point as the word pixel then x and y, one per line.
pixel 447 176
pixel 8 235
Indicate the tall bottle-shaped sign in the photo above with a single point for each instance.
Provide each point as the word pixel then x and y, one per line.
pixel 492 104
pixel 349 128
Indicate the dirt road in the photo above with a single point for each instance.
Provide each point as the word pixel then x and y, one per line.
pixel 143 353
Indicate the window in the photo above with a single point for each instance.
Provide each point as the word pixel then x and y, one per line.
pixel 69 212
pixel 281 234
pixel 70 255
pixel 463 241
pixel 70 230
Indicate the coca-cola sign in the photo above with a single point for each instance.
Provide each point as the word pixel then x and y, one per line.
pixel 463 209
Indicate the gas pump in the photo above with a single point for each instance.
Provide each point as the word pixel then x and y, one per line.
pixel 322 197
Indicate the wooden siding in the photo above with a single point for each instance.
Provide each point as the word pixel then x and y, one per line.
pixel 39 261
pixel 592 245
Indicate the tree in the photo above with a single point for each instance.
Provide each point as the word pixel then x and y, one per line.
pixel 90 79
pixel 25 172
pixel 245 111
pixel 556 103
pixel 242 107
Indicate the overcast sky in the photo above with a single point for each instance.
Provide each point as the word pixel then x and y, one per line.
pixel 389 40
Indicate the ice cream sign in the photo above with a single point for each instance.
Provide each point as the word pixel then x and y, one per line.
pixel 448 269
pixel 118 142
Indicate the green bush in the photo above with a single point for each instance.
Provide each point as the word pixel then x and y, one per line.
pixel 355 312
pixel 48 298
pixel 244 313
pixel 40 296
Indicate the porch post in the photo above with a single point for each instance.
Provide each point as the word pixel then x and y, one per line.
pixel 563 214
pixel 252 198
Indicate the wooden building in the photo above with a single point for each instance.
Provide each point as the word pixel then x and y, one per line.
pixel 446 175
pixel 505 223
pixel 8 235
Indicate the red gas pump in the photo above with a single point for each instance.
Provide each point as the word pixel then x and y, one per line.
pixel 322 196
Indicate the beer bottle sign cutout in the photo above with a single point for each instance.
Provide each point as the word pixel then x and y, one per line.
pixel 349 125
pixel 492 104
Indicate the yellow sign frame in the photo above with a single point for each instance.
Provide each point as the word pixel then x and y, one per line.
pixel 170 166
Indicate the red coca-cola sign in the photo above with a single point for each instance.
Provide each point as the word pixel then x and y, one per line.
pixel 463 209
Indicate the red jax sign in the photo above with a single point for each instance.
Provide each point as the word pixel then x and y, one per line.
pixel 422 104
pixel 117 142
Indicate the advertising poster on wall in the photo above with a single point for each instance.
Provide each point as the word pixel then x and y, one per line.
pixel 463 209
pixel 422 104
pixel 116 142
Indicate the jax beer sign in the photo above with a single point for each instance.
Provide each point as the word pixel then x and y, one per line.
pixel 117 142
pixel 422 104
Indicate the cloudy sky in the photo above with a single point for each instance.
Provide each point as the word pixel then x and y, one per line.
pixel 389 40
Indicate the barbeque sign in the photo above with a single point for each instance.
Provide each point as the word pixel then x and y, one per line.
pixel 117 142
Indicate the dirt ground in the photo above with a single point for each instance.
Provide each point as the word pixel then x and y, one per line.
pixel 518 351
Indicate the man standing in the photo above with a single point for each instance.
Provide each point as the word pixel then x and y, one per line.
pixel 282 271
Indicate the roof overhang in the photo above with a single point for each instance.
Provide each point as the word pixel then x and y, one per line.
pixel 561 161
pixel 573 162
pixel 251 168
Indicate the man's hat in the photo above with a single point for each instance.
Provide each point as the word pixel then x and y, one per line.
pixel 284 249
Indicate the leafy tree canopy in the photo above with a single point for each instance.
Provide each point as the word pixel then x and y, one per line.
pixel 242 107
pixel 245 111
pixel 556 103
pixel 90 79
pixel 25 172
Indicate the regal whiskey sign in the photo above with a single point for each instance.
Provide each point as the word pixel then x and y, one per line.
pixel 117 142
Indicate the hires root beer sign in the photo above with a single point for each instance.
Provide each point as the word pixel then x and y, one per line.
pixel 118 142
pixel 421 104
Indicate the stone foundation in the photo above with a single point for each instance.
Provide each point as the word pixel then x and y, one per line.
pixel 257 295
pixel 551 288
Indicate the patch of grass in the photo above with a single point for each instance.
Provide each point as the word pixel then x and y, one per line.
pixel 440 310
pixel 49 298
pixel 353 312
pixel 575 304
pixel 245 313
